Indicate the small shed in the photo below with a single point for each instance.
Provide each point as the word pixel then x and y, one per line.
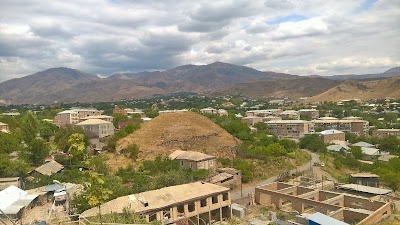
pixel 49 168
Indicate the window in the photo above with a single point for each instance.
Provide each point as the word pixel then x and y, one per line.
pixel 203 202
pixel 181 209
pixel 191 207
pixel 215 199
pixel 225 196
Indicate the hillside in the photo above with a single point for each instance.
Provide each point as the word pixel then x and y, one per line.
pixel 393 72
pixel 180 131
pixel 376 89
pixel 293 88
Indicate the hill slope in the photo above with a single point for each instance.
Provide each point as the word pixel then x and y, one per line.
pixel 292 88
pixel 180 131
pixel 376 89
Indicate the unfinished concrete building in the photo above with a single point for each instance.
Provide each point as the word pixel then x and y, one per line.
pixel 348 208
pixel 193 203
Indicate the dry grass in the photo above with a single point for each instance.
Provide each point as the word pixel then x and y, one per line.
pixel 376 89
pixel 115 161
pixel 180 131
pixel 340 174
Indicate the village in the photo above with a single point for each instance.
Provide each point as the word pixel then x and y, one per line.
pixel 335 163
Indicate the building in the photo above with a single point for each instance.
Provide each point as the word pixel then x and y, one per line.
pixel 290 128
pixel 342 149
pixel 330 136
pixel 73 116
pixel 10 181
pixel 386 133
pixel 264 112
pixel 366 179
pixel 100 117
pixel 348 208
pixel 227 177
pixel 386 158
pixel 49 168
pixel 251 120
pixel 363 144
pixel 359 127
pixel 16 203
pixel 194 160
pixel 172 111
pixel 209 110
pixel 362 190
pixel 309 113
pixel 99 127
pixel 4 128
pixel 193 203
pixel 290 115
pixel 322 219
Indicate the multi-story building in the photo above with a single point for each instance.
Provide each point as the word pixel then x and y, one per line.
pixel 359 127
pixel 386 133
pixel 264 112
pixel 309 113
pixel 73 116
pixel 100 128
pixel 194 203
pixel 290 128
pixel 290 115
pixel 366 179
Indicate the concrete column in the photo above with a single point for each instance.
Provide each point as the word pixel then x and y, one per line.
pixel 174 213
pixel 186 210
pixel 277 201
pixel 220 214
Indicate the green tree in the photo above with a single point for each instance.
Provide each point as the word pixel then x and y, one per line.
pixel 95 192
pixel 77 147
pixel 312 142
pixel 391 117
pixel 118 117
pixel 357 152
pixel 37 151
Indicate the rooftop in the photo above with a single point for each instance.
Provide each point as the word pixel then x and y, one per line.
pixel 363 144
pixel 49 168
pixel 323 219
pixel 93 122
pixel 363 175
pixel 386 158
pixel 190 155
pixel 160 198
pixel 287 121
pixel 365 189
pixel 327 132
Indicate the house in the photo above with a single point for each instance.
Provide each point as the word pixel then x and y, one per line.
pixel 355 126
pixel 4 128
pixel 227 177
pixel 12 113
pixel 209 110
pixel 362 190
pixel 342 149
pixel 366 179
pixel 193 203
pixel 49 168
pixel 329 136
pixel 16 203
pixel 386 133
pixel 172 111
pixel 10 181
pixel 372 153
pixel 194 160
pixel 309 113
pixel 73 116
pixel 101 128
pixel 290 128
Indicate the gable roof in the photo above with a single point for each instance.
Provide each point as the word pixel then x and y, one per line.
pixel 190 155
pixel 49 168
pixel 363 144
pixel 10 195
pixel 337 148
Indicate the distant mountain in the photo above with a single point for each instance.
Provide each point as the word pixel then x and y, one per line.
pixel 393 72
pixel 374 89
pixel 292 88
pixel 42 86
pixel 211 77
pixel 70 85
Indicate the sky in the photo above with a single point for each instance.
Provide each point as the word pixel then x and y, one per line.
pixel 103 37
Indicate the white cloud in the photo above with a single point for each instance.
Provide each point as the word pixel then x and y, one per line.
pixel 103 37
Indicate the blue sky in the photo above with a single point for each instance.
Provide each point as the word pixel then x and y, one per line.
pixel 111 36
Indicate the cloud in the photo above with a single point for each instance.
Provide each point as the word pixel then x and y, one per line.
pixel 105 37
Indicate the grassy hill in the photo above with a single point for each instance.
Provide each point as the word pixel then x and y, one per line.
pixel 180 131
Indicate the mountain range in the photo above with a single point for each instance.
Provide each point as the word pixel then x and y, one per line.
pixel 70 85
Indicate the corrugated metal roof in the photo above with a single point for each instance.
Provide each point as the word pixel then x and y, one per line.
pixel 49 168
pixel 10 195
pixel 323 219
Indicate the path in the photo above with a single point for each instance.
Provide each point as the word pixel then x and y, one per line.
pixel 236 194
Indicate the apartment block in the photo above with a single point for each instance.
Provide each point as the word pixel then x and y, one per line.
pixel 386 133
pixel 73 116
pixel 290 128
pixel 359 127
pixel 310 113
pixel 264 112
